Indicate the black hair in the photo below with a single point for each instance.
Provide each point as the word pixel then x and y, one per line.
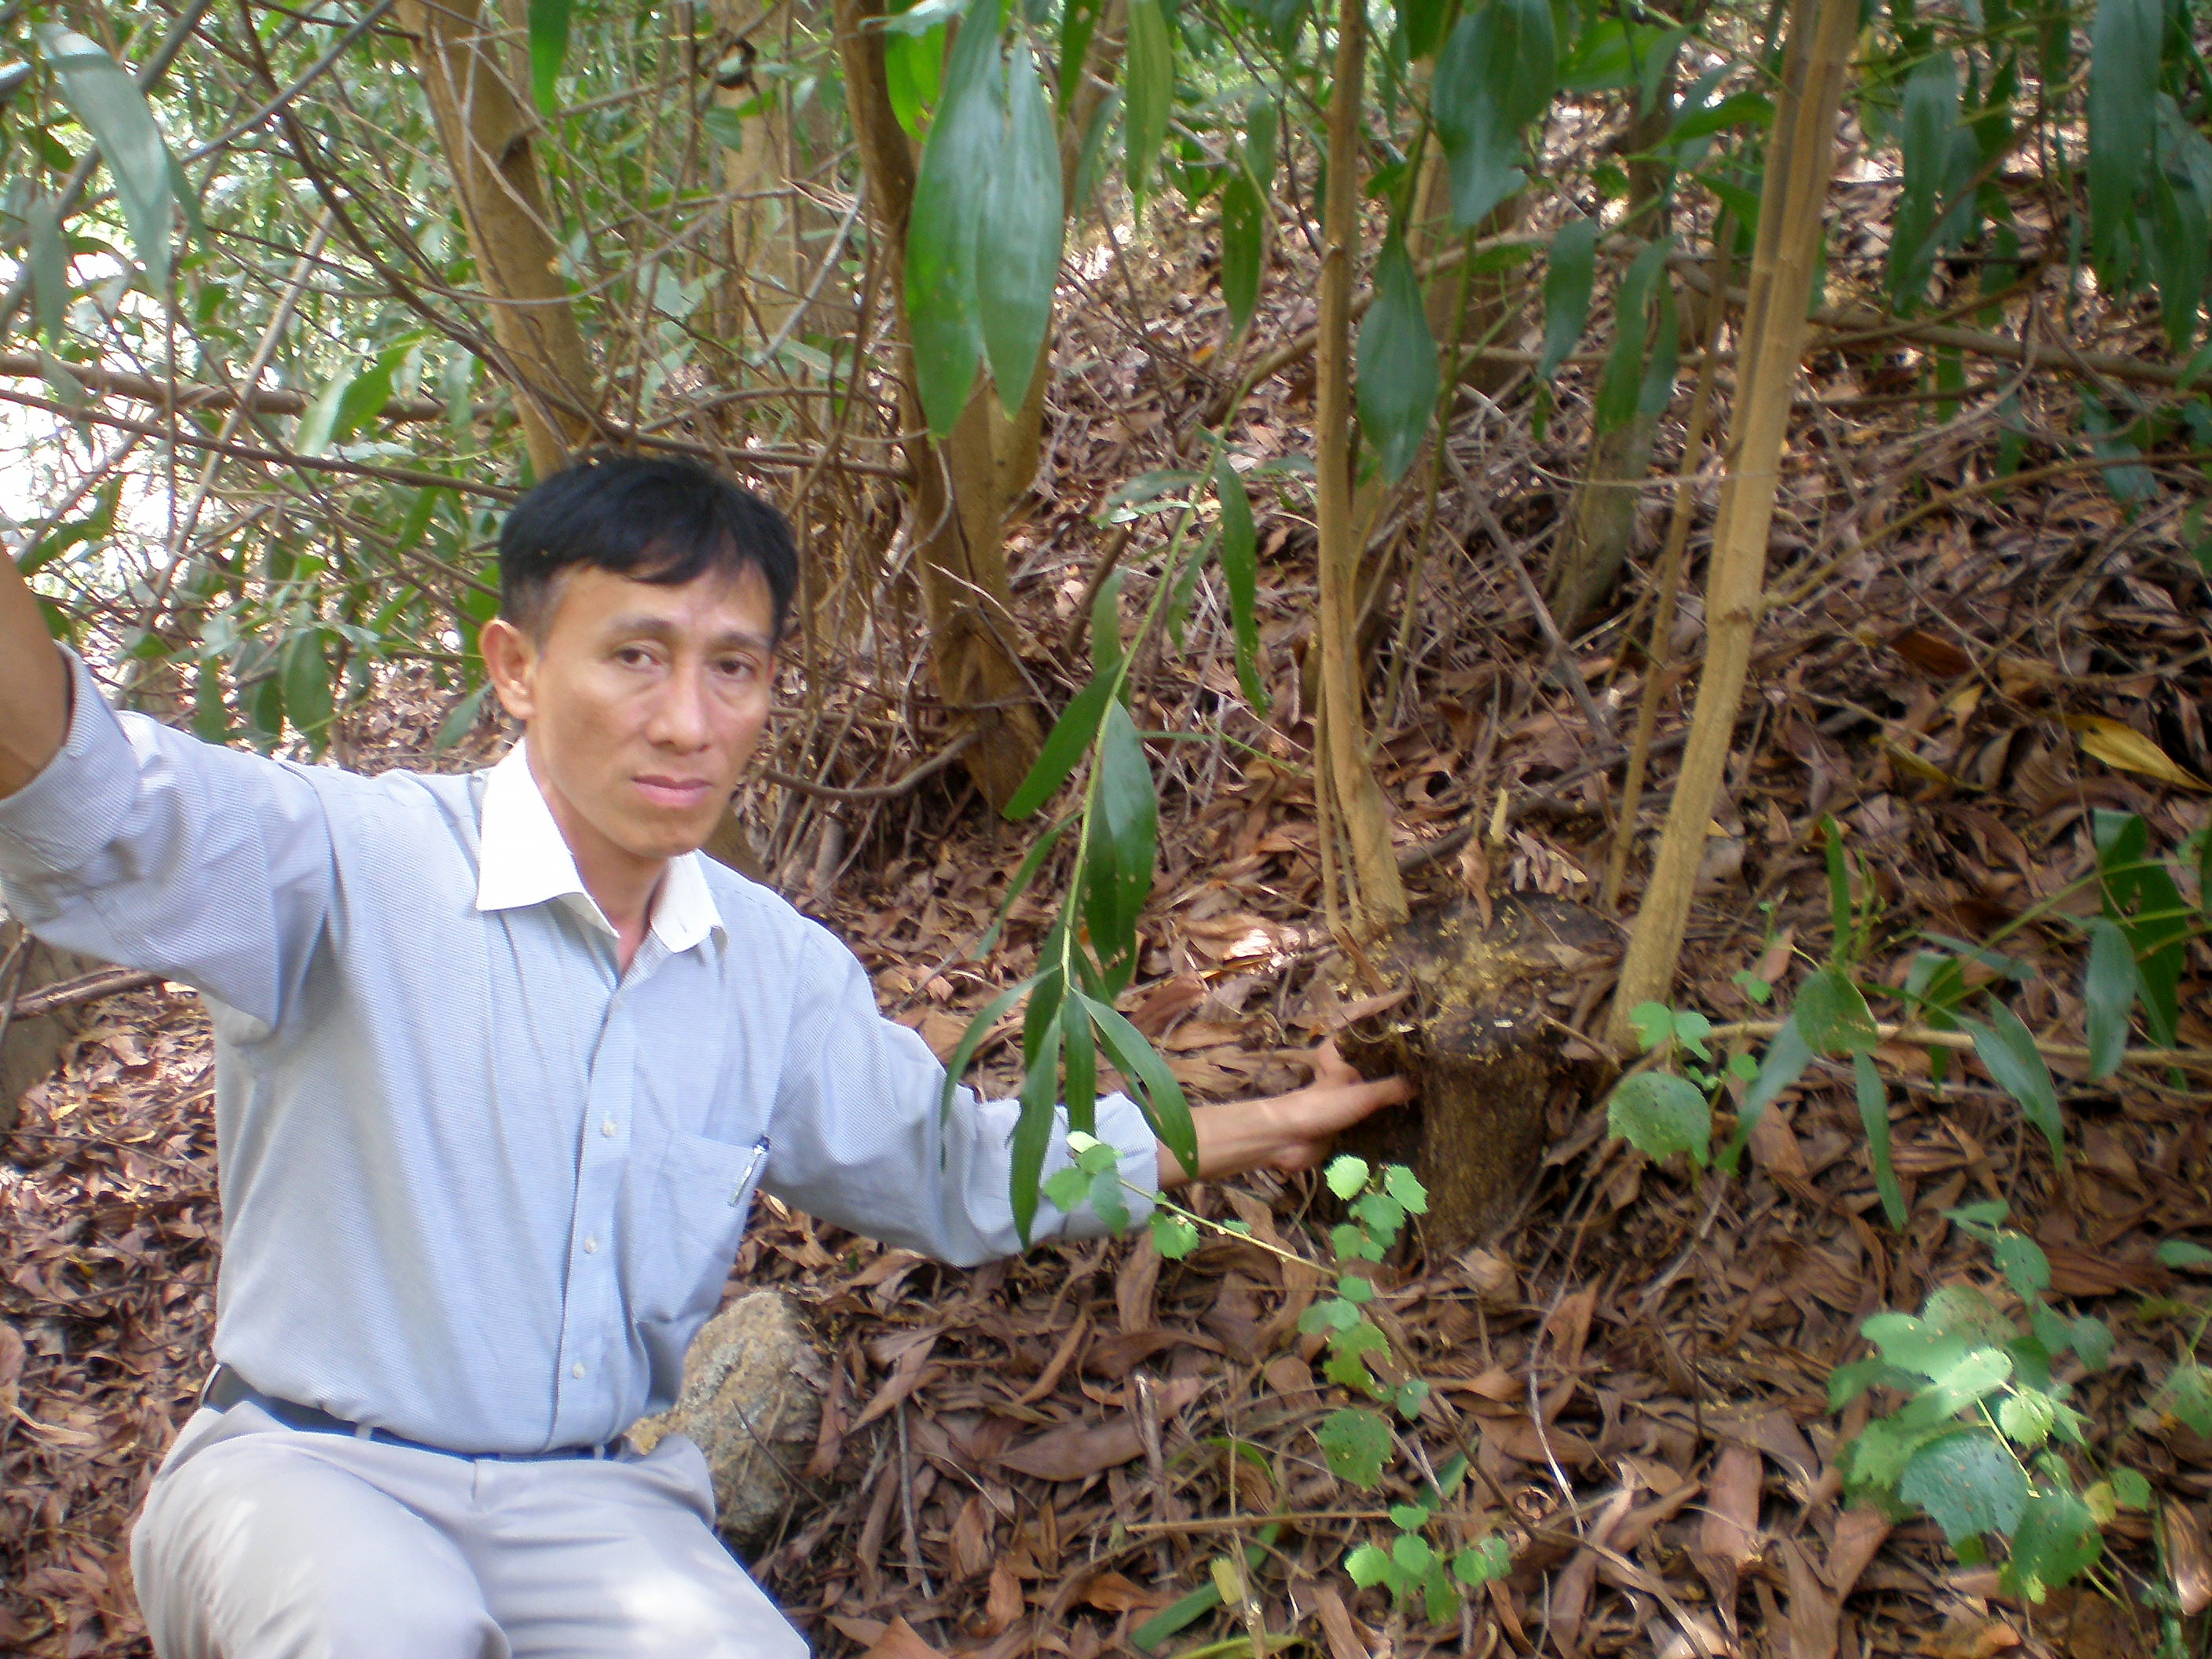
pixel 664 520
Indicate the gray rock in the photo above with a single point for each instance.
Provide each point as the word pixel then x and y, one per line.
pixel 753 1385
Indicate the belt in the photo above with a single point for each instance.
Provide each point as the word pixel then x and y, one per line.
pixel 226 1387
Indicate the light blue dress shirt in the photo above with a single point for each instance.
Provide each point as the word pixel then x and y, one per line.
pixel 479 1188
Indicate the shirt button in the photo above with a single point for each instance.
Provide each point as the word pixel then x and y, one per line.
pixel 607 1129
pixel 591 1247
pixel 576 1370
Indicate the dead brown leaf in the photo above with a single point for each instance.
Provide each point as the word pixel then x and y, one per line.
pixel 899 1641
pixel 2187 1562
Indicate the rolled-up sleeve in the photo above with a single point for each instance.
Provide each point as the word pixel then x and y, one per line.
pixel 858 1140
pixel 147 847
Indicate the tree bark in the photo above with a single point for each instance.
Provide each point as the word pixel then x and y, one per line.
pixel 1351 803
pixel 1607 505
pixel 960 560
pixel 486 132
pixel 1800 166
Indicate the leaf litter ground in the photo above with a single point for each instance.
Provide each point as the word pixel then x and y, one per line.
pixel 1037 1456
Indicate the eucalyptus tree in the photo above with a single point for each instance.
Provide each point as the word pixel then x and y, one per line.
pixel 288 291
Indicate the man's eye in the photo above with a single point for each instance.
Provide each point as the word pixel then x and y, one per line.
pixel 738 668
pixel 634 656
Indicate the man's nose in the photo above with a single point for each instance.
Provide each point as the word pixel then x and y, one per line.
pixel 680 718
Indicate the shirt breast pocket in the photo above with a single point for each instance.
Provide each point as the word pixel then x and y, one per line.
pixel 697 1204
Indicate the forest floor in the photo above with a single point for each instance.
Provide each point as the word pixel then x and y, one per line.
pixel 1036 1457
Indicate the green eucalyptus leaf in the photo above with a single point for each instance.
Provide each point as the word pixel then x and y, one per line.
pixel 1071 734
pixel 1018 245
pixel 1874 1117
pixel 2123 62
pixel 1159 1096
pixel 1240 572
pixel 1148 78
pixel 548 28
pixel 1243 250
pixel 1398 377
pixel 105 97
pixel 2007 1052
pixel 1568 277
pixel 1784 1062
pixel 2108 992
pixel 1033 1129
pixel 958 161
pixel 1494 75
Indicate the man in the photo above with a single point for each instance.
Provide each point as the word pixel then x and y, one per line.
pixel 501 1061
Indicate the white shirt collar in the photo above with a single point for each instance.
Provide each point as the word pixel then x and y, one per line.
pixel 522 860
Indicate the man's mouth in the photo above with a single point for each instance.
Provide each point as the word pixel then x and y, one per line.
pixel 678 794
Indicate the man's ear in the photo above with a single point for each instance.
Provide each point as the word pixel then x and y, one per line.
pixel 510 654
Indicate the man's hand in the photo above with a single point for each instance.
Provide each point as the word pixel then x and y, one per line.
pixel 1288 1132
pixel 34 685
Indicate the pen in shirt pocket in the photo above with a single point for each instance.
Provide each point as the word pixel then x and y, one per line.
pixel 752 1169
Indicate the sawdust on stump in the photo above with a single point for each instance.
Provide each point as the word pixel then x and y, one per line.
pixel 1477 1002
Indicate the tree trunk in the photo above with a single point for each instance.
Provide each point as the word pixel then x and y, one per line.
pixel 486 131
pixel 1800 162
pixel 1489 297
pixel 1607 505
pixel 960 560
pixel 1348 801
pixel 765 266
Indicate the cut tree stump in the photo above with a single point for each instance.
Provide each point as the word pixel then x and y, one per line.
pixel 1477 1018
pixel 33 1042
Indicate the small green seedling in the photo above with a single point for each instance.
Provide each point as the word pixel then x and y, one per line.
pixel 1986 1442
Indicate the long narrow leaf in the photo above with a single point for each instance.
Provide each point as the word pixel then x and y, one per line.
pixel 1017 266
pixel 1158 1094
pixel 1785 1061
pixel 1128 816
pixel 1873 1116
pixel 2007 1052
pixel 548 48
pixel 1398 376
pixel 1079 1058
pixel 948 184
pixel 105 97
pixel 1240 571
pixel 1033 1129
pixel 1567 281
pixel 1064 745
pixel 964 1052
pixel 1619 391
pixel 2123 40
pixel 1025 873
pixel 1148 77
pixel 2108 992
pixel 1244 247
pixel 1495 73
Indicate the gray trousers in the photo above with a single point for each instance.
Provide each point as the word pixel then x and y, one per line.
pixel 260 1541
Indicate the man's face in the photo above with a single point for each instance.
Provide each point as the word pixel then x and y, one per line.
pixel 642 704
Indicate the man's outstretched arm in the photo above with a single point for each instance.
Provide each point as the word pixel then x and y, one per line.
pixel 35 699
pixel 1287 1132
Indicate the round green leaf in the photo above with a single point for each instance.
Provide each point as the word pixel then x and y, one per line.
pixel 1968 1484
pixel 1659 1114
